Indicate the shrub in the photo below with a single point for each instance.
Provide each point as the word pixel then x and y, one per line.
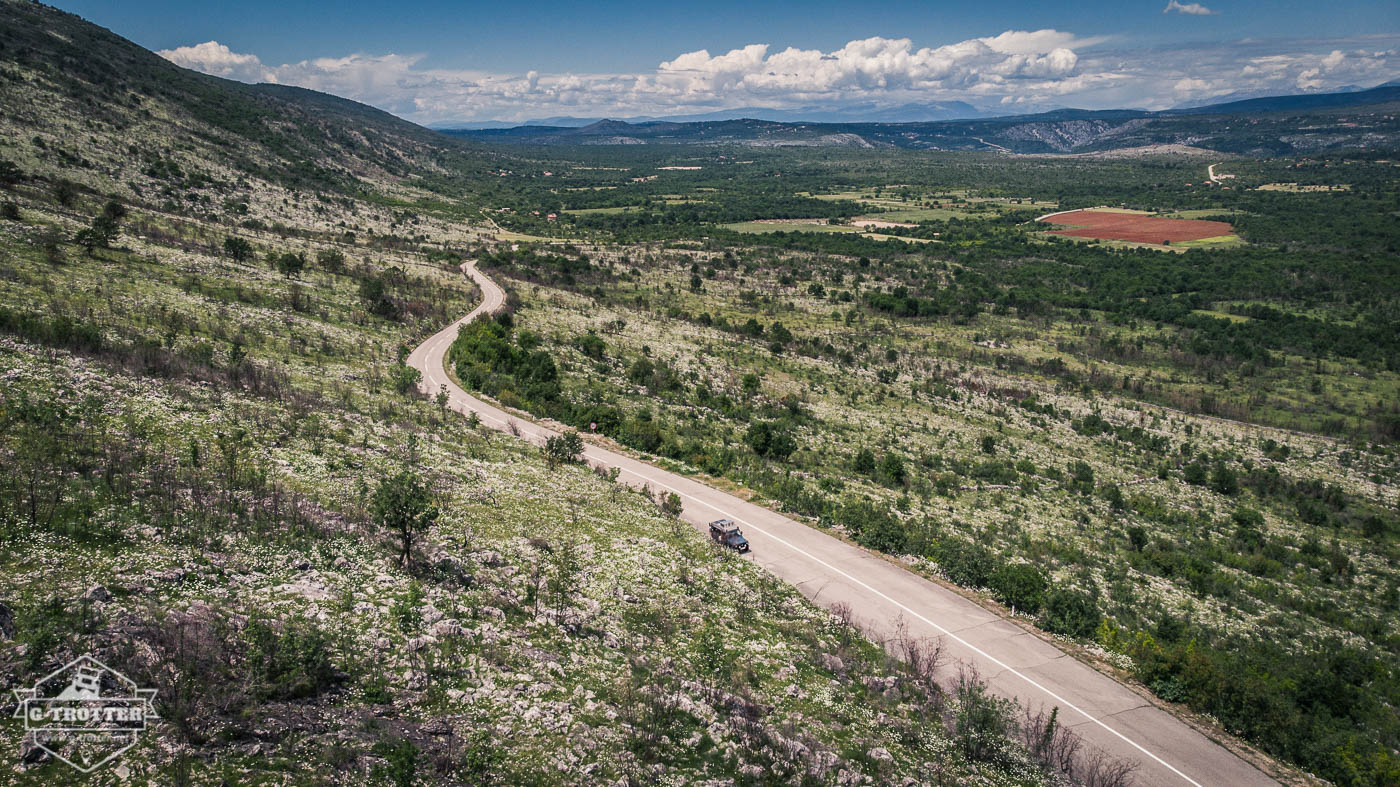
pixel 1019 585
pixel 406 378
pixel 563 448
pixel 1224 480
pixel 591 346
pixel 770 440
pixel 238 249
pixel 966 564
pixel 290 662
pixel 892 469
pixel 1072 613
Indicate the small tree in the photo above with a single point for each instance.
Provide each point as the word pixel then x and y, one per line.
pixel 671 505
pixel 291 265
pixel 406 378
pixel 563 449
pixel 238 249
pixel 64 191
pixel 403 503
pixel 9 173
pixel 332 260
pixel 105 228
pixel 1019 585
pixel 749 383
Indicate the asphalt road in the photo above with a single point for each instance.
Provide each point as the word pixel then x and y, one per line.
pixel 1013 662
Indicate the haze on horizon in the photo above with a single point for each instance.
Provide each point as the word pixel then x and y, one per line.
pixel 434 63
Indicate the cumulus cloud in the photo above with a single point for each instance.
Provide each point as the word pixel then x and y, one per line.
pixel 1015 69
pixel 1194 9
pixel 211 57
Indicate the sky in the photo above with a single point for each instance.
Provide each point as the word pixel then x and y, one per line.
pixel 437 61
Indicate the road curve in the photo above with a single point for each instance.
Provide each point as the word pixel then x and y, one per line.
pixel 1013 662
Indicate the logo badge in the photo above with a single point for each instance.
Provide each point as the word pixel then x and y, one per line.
pixel 86 713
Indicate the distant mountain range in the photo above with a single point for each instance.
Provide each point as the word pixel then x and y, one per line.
pixel 1276 127
pixel 858 113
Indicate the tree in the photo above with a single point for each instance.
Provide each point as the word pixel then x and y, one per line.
pixel 989 444
pixel 640 371
pixel 9 173
pixel 238 249
pixel 406 378
pixel 1072 613
pixel 671 505
pixel 403 504
pixel 1137 537
pixel 591 346
pixel 770 440
pixel 1114 495
pixel 1195 473
pixel 375 293
pixel 966 564
pixel 291 265
pixel 105 228
pixel 892 469
pixel 749 383
pixel 563 448
pixel 332 260
pixel 65 191
pixel 864 463
pixel 1019 585
pixel 1223 479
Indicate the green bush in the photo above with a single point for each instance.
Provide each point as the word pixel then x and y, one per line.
pixel 1019 585
pixel 289 662
pixel 1072 613
pixel 966 564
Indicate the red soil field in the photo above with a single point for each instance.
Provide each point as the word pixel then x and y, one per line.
pixel 1136 227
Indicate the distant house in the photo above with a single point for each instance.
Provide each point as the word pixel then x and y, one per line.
pixel 552 216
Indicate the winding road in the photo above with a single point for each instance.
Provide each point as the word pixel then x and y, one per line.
pixel 1013 661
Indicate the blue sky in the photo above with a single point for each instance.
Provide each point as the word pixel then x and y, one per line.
pixel 435 61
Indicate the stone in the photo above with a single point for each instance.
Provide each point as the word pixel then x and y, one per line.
pixel 97 593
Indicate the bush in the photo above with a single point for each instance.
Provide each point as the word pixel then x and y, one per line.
pixel 969 565
pixel 1072 613
pixel 770 440
pixel 892 470
pixel 406 379
pixel 238 249
pixel 291 663
pixel 563 448
pixel 1019 585
pixel 1223 479
pixel 591 346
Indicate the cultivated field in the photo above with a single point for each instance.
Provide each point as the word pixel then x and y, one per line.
pixel 1135 227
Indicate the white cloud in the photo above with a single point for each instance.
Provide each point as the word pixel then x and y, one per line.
pixel 1023 69
pixel 1194 9
pixel 211 57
